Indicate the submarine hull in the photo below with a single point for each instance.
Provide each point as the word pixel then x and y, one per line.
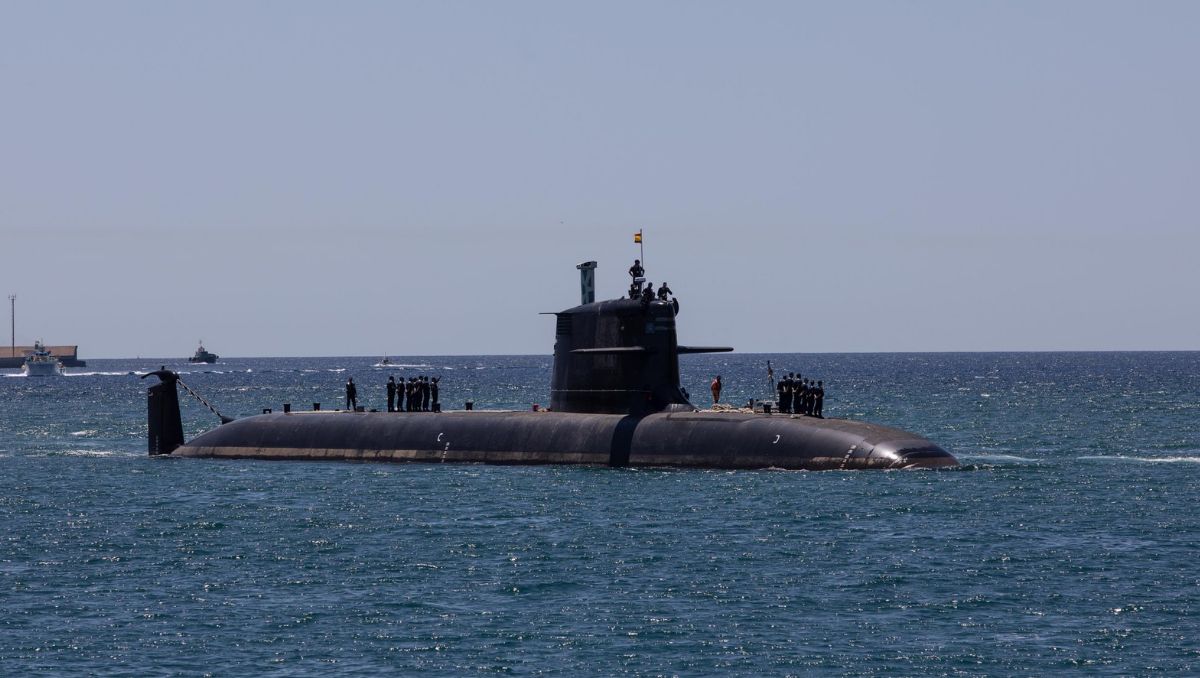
pixel 730 440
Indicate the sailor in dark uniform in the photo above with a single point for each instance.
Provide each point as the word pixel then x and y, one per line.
pixel 412 395
pixel 648 294
pixel 424 393
pixel 794 394
pixel 801 397
pixel 351 395
pixel 810 397
pixel 819 402
pixel 433 391
pixel 637 273
pixel 663 291
pixel 780 391
pixel 391 394
pixel 785 395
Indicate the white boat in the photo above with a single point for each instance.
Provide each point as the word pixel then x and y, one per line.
pixel 41 364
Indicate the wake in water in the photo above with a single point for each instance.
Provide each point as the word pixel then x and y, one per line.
pixel 1144 460
pixel 89 453
pixel 1002 458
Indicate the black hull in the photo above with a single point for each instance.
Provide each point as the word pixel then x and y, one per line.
pixel 681 439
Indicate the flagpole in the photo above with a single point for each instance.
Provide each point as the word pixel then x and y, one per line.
pixel 642 247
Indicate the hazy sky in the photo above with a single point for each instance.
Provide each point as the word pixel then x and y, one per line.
pixel 369 178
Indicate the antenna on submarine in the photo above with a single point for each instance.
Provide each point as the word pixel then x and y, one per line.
pixel 12 302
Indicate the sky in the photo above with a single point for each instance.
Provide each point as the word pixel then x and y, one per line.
pixel 421 178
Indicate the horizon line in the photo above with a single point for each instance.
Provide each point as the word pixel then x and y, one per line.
pixel 468 355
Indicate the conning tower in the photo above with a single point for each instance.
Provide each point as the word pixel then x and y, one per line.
pixel 619 356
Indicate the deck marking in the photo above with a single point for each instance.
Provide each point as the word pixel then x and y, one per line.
pixel 848 453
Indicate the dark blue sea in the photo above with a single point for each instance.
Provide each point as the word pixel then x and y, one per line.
pixel 1069 540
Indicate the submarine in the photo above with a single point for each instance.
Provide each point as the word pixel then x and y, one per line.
pixel 615 400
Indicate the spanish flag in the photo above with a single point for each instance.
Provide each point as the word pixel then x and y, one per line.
pixel 637 238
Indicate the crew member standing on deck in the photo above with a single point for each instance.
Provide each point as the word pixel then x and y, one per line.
pixel 663 291
pixel 424 393
pixel 715 387
pixel 785 399
pixel 433 389
pixel 819 401
pixel 351 395
pixel 391 393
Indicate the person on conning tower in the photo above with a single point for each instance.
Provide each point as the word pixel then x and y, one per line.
pixel 648 294
pixel 663 291
pixel 639 275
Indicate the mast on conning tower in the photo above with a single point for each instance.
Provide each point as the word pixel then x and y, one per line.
pixel 587 282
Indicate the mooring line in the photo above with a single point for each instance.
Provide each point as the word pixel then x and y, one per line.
pixel 224 419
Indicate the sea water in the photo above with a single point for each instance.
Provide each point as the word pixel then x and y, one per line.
pixel 1068 539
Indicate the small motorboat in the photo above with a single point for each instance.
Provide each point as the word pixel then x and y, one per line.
pixel 40 363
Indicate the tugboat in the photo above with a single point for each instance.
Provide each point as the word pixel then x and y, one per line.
pixel 615 398
pixel 203 356
pixel 40 363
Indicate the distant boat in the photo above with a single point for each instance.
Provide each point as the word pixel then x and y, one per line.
pixel 385 361
pixel 40 363
pixel 203 356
